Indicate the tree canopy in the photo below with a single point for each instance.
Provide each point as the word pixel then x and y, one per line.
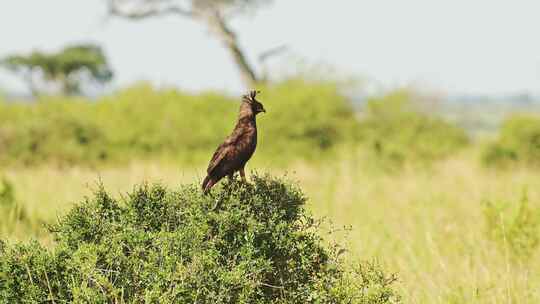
pixel 68 69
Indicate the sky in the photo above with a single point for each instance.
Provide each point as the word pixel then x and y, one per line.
pixel 453 46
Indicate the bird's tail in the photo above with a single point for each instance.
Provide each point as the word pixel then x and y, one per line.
pixel 207 184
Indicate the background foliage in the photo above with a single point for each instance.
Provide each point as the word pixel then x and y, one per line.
pixel 396 131
pixel 305 121
pixel 518 143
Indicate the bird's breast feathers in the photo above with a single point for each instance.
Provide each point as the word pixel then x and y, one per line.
pixel 248 142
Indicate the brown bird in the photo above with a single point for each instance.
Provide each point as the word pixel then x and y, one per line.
pixel 233 154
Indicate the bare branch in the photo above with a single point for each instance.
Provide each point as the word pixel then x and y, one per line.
pixel 264 56
pixel 221 29
pixel 149 9
pixel 213 13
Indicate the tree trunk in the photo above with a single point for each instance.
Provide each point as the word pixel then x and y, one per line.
pixel 209 14
pixel 228 37
pixel 29 78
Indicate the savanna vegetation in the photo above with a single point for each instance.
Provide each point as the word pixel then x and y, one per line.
pixel 162 246
pixel 141 123
pixel 517 143
pixel 456 219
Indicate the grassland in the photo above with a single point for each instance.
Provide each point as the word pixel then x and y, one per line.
pixel 427 224
pixel 406 189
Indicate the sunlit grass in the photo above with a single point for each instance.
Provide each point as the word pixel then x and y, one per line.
pixel 424 223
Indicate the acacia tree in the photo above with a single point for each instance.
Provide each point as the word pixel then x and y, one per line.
pixel 69 69
pixel 213 13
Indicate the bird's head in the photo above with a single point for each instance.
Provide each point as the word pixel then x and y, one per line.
pixel 253 103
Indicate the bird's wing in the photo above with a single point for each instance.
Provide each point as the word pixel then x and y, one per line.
pixel 223 150
pixel 218 156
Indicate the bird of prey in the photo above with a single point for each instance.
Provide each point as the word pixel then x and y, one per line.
pixel 233 154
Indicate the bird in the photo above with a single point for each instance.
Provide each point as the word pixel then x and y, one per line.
pixel 233 154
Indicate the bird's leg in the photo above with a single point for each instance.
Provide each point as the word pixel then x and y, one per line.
pixel 217 204
pixel 228 190
pixel 243 175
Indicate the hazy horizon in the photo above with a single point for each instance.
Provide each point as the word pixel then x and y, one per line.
pixel 458 47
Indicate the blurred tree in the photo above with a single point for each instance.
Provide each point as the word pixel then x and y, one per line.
pixel 214 13
pixel 69 69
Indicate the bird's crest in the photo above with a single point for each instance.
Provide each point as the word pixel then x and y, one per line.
pixel 250 97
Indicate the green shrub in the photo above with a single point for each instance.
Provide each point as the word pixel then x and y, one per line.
pixel 513 228
pixel 518 142
pixel 162 246
pixel 397 131
pixel 7 193
pixel 304 119
pixel 10 209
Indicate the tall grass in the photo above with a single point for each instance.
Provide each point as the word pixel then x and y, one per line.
pixel 428 225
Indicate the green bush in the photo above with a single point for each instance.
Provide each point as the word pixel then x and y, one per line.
pixel 7 193
pixel 396 131
pixel 10 208
pixel 306 118
pixel 517 143
pixel 162 246
pixel 303 120
pixel 515 228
